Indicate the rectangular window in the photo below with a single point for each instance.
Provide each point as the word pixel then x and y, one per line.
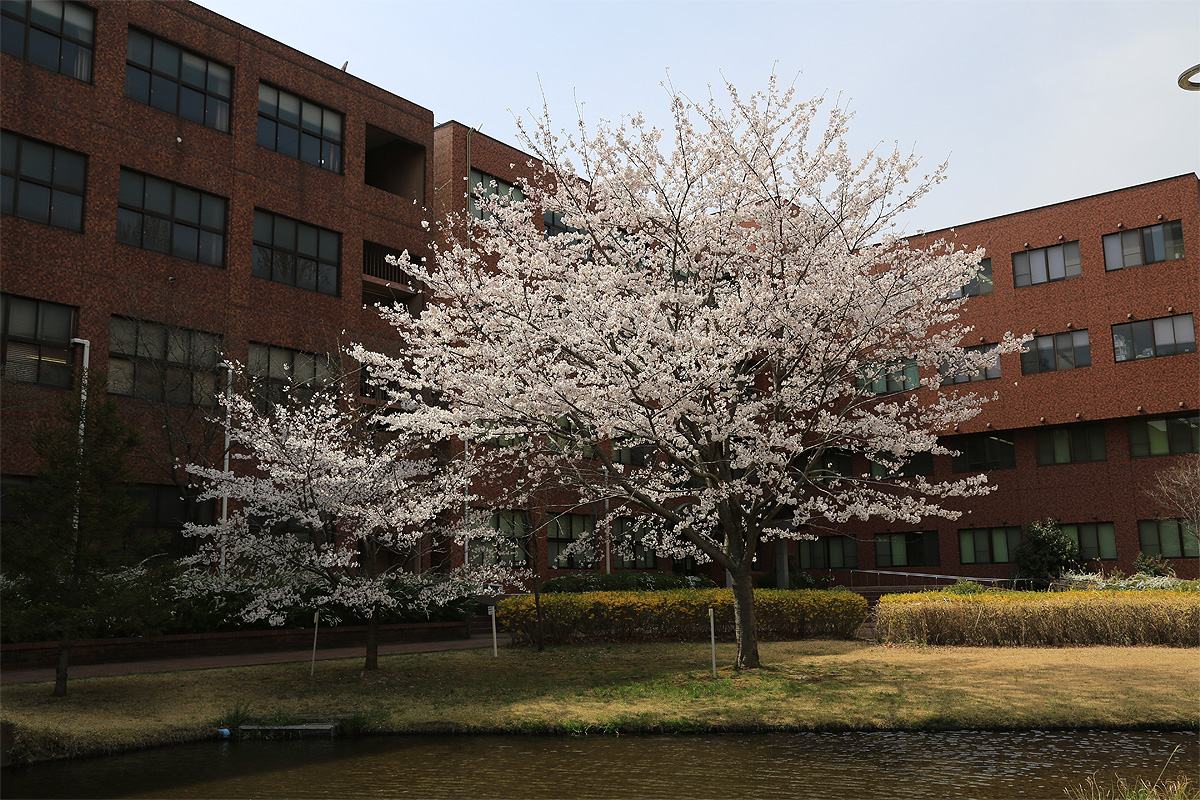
pixel 829 552
pixel 151 361
pixel 164 512
pixel 167 77
pixel 299 128
pixel 171 218
pixel 988 545
pixel 1071 444
pixel 632 455
pixel 1148 245
pixel 1056 351
pixel 280 372
pixel 1047 264
pixel 293 252
pixel 484 185
pixel 980 284
pixel 983 451
pixel 37 341
pixel 628 550
pixel 1164 436
pixel 41 182
pixel 1095 539
pixel 56 35
pixel 886 465
pixel 960 373
pixel 562 532
pixel 833 463
pixel 916 549
pixel 1169 538
pixel 553 224
pixel 509 550
pixel 1149 338
pixel 899 376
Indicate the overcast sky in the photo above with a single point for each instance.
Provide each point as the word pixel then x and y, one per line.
pixel 1032 102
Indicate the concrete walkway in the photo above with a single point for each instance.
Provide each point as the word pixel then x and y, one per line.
pixel 248 659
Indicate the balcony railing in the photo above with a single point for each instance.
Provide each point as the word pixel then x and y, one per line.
pixel 375 265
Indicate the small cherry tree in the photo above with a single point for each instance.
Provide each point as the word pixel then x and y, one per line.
pixel 334 503
pixel 726 297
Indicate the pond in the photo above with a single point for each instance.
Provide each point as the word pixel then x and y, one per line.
pixel 957 764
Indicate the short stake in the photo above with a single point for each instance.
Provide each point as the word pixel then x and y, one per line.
pixel 712 634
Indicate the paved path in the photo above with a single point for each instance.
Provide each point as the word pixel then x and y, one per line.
pixel 247 659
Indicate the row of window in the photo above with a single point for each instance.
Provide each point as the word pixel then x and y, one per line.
pixel 563 531
pixel 1169 538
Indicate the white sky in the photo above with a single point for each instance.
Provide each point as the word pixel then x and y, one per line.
pixel 1032 102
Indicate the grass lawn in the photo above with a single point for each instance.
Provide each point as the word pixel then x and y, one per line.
pixel 628 688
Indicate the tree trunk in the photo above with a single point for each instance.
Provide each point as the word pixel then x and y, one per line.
pixel 372 641
pixel 60 670
pixel 743 616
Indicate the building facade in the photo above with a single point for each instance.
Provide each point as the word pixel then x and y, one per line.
pixel 179 189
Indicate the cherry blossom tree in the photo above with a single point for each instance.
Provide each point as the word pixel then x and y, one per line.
pixel 335 501
pixel 730 299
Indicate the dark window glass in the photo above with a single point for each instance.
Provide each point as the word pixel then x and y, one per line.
pixel 916 549
pixel 1095 539
pixel 1047 264
pixel 983 451
pixel 37 341
pixel 829 552
pixel 960 373
pixel 295 253
pixel 280 372
pixel 485 185
pixel 508 548
pixel 166 217
pixel 1071 444
pixel 152 361
pixel 1161 436
pixel 1144 246
pixel 177 81
pixel 1169 538
pixel 980 284
pixel 1164 336
pixel 1057 351
pixel 299 128
pixel 562 532
pixel 988 545
pixel 43 183
pixel 628 550
pixel 899 376
pixel 56 35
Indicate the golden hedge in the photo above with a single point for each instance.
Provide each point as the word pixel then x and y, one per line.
pixel 679 615
pixel 1154 617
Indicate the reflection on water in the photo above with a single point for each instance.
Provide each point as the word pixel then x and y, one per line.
pixel 963 764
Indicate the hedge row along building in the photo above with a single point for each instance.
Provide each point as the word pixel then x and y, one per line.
pixel 177 186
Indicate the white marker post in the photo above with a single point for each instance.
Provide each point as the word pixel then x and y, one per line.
pixel 492 614
pixel 712 633
pixel 316 624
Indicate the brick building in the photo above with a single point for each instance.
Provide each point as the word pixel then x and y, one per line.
pixel 177 185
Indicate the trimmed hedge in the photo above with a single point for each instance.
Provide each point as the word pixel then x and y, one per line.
pixel 680 615
pixel 624 582
pixel 1041 618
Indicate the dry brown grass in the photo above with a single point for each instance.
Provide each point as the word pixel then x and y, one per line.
pixel 633 688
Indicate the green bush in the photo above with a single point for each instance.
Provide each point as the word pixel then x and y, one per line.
pixel 1040 619
pixel 623 582
pixel 1154 566
pixel 1045 553
pixel 680 615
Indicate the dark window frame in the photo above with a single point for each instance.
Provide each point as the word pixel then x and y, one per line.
pixel 1028 264
pixel 952 374
pixel 280 372
pixel 278 130
pixel 162 81
pixel 188 378
pixel 141 219
pixel 559 537
pixel 1067 350
pixel 1094 543
pixel 1180 435
pixel 982 452
pixel 480 185
pixel 989 542
pixel 1171 538
pixel 640 557
pixel 63 196
pixel 39 351
pixel 820 553
pixel 1083 443
pixel 42 28
pixel 920 549
pixel 900 375
pixel 1132 340
pixel 982 283
pixel 285 247
pixel 513 524
pixel 1140 246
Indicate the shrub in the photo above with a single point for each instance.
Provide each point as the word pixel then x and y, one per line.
pixel 623 582
pixel 1137 581
pixel 796 580
pixel 1041 618
pixel 1155 566
pixel 965 587
pixel 1045 553
pixel 680 615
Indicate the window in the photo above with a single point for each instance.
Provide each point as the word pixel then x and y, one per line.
pixel 166 217
pixel 1164 435
pixel 628 550
pixel 299 128
pixel 829 552
pixel 633 455
pixel 282 371
pixel 42 183
pixel 917 549
pixel 562 532
pixel 988 545
pixel 553 225
pixel 165 511
pixel 1169 538
pixel 1095 539
pixel 56 35
pixel 1144 246
pixel 565 434
pixel 899 376
pixel 509 549
pixel 980 284
pixel 37 341
pixel 178 81
pixel 1047 264
pixel 152 361
pixel 958 373
pixel 982 451
pixel 1149 338
pixel 1056 351
pixel 295 253
pixel 886 465
pixel 832 463
pixel 1071 444
pixel 484 185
